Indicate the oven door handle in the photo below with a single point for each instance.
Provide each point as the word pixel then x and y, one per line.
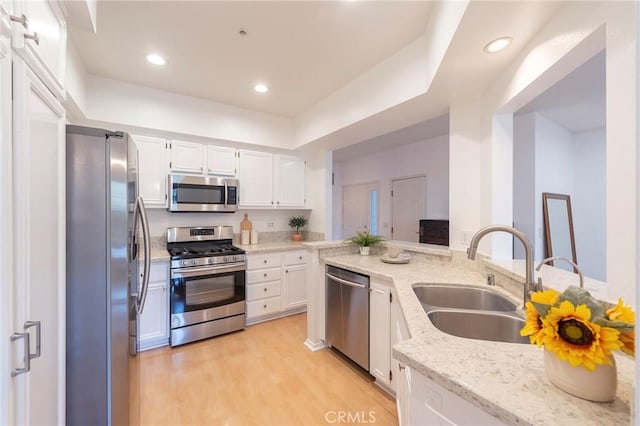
pixel 206 270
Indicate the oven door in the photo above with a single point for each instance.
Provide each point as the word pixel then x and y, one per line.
pixel 202 194
pixel 206 293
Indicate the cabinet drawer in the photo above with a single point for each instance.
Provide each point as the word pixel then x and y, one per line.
pixel 263 261
pixel 264 290
pixel 158 271
pixel 262 275
pixel 295 258
pixel 263 307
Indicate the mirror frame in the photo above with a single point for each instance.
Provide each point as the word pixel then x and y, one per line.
pixel 547 228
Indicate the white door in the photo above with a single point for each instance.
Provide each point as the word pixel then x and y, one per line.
pixel 295 286
pixel 289 180
pixel 221 161
pixel 357 208
pixel 408 206
pixel 152 170
pixel 379 351
pixel 39 244
pixel 256 179
pixel 187 157
pixel 6 227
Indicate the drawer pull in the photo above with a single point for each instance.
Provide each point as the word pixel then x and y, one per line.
pixel 265 306
pixel 300 258
pixel 265 289
pixel 265 275
pixel 265 261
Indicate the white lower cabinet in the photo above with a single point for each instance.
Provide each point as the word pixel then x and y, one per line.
pixel 294 284
pixel 379 336
pixel 276 285
pixel 431 404
pixel 153 328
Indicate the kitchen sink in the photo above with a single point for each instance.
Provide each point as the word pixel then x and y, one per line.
pixel 493 326
pixel 461 297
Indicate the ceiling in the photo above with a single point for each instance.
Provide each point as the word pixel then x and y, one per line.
pixel 303 50
pixel 577 102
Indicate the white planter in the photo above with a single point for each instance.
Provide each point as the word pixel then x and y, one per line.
pixel 364 251
pixel 598 385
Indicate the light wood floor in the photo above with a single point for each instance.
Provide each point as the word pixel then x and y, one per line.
pixel 263 375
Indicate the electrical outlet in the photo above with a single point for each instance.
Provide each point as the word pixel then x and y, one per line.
pixel 465 237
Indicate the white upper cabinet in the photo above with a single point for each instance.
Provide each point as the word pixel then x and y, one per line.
pixel 256 179
pixel 152 170
pixel 187 157
pixel 221 161
pixel 41 40
pixel 268 180
pixel 289 181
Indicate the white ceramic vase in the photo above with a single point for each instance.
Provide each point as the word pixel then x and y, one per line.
pixel 364 251
pixel 598 385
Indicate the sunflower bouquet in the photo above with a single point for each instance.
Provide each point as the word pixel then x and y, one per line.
pixel 577 328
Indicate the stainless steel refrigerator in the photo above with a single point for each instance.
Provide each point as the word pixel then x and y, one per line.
pixel 107 277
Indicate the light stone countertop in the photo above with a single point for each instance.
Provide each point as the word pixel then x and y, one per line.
pixel 507 380
pixel 158 254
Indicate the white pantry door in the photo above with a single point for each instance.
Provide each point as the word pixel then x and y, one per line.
pixel 39 215
pixel 408 206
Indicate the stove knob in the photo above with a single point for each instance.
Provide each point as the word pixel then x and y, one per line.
pixel 210 261
pixel 225 258
pixel 183 262
pixel 194 262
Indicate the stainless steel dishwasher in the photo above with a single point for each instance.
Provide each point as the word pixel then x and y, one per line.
pixel 347 314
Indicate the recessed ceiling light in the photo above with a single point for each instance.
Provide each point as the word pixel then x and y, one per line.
pixel 497 44
pixel 261 88
pixel 156 59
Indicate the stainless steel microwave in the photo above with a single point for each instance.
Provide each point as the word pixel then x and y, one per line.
pixel 189 193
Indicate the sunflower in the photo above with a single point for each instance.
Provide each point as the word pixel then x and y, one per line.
pixel 568 332
pixel 625 314
pixel 533 324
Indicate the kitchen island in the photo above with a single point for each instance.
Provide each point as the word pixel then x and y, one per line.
pixel 505 380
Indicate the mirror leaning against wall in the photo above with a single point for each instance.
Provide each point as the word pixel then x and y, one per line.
pixel 558 227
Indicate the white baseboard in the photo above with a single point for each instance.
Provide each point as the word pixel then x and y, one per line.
pixel 315 346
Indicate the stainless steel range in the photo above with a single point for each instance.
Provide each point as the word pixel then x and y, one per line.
pixel 207 283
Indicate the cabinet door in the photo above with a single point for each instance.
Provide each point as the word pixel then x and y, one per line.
pixel 152 170
pixel 187 157
pixel 47 57
pixel 221 161
pixel 256 179
pixel 404 397
pixel 38 288
pixel 399 333
pixel 295 287
pixel 379 320
pixel 290 181
pixel 154 321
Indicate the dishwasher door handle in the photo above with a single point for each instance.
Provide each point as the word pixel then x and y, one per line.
pixel 345 282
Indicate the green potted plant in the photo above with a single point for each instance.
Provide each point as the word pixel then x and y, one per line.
pixel 365 241
pixel 297 222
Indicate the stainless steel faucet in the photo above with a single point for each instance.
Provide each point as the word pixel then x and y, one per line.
pixel 529 284
pixel 550 259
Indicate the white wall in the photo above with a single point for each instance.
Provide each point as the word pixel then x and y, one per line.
pixel 429 158
pixel 161 219
pixel 554 170
pixel 524 200
pixel 589 201
pixel 575 33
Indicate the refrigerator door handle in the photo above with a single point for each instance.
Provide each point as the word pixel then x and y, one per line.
pixel 142 296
